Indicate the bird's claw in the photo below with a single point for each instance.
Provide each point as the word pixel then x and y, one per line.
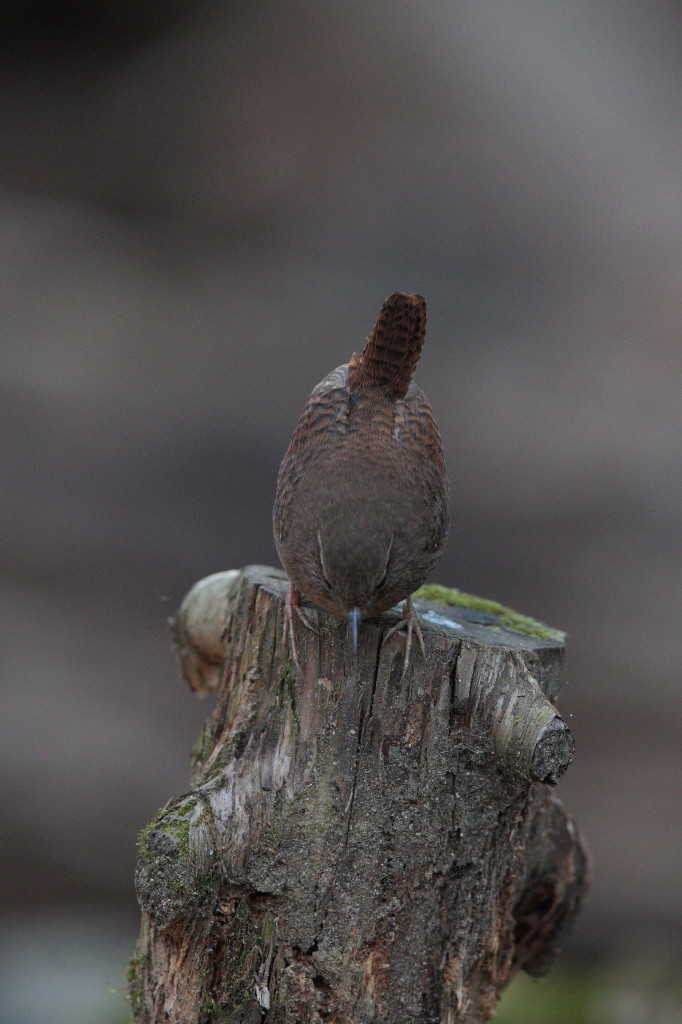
pixel 292 607
pixel 410 623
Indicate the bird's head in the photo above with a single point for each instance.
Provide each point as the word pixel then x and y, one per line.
pixel 354 576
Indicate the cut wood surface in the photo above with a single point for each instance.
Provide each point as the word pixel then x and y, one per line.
pixel 358 845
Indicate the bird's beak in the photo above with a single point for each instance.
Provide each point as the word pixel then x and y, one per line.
pixel 354 616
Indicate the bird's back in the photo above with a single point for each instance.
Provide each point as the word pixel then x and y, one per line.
pixel 365 466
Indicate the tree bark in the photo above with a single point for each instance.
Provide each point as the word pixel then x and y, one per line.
pixel 358 845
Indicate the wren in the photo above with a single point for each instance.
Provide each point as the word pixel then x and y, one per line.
pixel 361 510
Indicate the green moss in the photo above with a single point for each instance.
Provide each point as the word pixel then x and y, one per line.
pixel 268 930
pixel 287 682
pixel 270 836
pixel 249 935
pixel 510 619
pixel 173 822
pixel 168 883
pixel 135 985
pixel 213 774
pixel 201 750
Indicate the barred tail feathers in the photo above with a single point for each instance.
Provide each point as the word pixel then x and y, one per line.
pixel 393 348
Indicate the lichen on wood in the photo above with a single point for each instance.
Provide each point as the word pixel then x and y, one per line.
pixel 358 845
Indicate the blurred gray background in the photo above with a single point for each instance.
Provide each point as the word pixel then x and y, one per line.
pixel 202 206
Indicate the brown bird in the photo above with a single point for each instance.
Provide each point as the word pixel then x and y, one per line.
pixel 361 511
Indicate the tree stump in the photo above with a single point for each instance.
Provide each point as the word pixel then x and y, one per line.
pixel 358 845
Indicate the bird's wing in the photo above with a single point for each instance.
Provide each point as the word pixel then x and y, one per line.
pixel 324 417
pixel 414 426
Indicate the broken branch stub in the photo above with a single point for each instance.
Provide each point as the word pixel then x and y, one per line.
pixel 359 845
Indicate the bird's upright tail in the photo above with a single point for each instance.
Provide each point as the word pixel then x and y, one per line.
pixel 393 348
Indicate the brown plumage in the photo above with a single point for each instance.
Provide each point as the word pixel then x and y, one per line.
pixel 361 511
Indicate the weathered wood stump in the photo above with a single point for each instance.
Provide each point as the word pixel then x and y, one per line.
pixel 358 846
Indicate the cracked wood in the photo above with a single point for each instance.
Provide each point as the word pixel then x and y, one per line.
pixel 358 846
